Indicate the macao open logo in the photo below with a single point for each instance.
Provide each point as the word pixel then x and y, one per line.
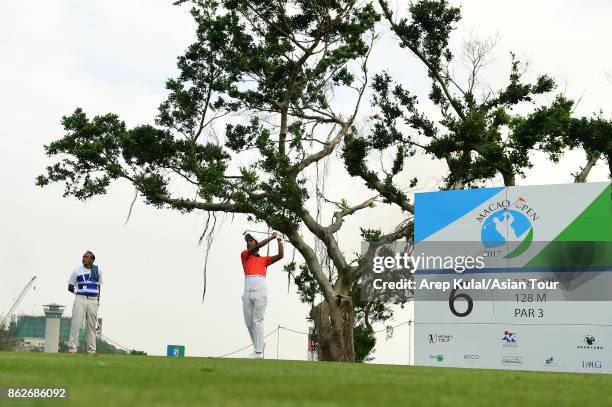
pixel 507 224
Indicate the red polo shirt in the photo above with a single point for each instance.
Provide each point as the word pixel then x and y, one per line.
pixel 254 265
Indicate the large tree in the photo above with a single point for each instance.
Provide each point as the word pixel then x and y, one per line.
pixel 267 72
pixel 271 69
pixel 482 133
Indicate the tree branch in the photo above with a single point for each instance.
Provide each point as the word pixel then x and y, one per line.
pixel 339 215
pixel 182 203
pixel 327 150
pixel 584 172
pixel 323 233
pixel 434 72
pixel 404 229
pixel 313 264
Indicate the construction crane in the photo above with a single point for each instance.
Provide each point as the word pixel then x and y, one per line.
pixel 19 299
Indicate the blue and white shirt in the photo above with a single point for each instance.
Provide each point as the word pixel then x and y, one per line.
pixel 80 280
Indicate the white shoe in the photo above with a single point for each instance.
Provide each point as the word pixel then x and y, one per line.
pixel 256 355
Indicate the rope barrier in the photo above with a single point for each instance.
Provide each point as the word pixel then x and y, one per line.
pixel 106 338
pixel 409 322
pixel 245 347
pixel 293 330
pixel 277 331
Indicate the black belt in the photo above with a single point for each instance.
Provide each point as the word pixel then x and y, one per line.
pixel 88 296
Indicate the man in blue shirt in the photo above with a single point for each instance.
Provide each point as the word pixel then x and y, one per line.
pixel 85 283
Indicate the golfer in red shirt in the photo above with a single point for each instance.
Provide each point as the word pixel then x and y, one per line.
pixel 255 295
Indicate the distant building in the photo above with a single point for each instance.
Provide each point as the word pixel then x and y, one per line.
pixel 53 314
pixel 33 326
pixel 30 334
pixel 28 344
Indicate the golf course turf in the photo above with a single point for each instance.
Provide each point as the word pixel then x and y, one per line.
pixel 122 380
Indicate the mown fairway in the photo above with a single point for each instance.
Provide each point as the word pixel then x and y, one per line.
pixel 111 380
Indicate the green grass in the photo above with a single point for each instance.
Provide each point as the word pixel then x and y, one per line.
pixel 113 380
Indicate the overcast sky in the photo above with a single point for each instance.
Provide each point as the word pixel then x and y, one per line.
pixel 114 56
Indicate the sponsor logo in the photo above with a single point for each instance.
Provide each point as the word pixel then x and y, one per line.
pixel 589 342
pixel 509 340
pixel 551 362
pixel 511 360
pixel 437 358
pixel 507 224
pixel 509 336
pixel 439 338
pixel 471 358
pixel 591 364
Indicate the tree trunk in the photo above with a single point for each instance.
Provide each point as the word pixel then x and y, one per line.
pixel 584 173
pixel 509 179
pixel 334 330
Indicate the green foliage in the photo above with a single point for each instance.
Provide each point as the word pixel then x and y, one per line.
pixel 375 306
pixel 62 347
pixel 7 338
pixel 251 57
pixel 428 30
pixel 593 134
pixel 365 341
pixel 138 352
pixel 305 282
pixel 470 140
pixel 370 235
pixel 478 138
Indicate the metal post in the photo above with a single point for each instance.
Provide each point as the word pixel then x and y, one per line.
pixel 277 340
pixel 409 342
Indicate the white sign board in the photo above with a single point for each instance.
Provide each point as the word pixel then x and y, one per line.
pixel 540 299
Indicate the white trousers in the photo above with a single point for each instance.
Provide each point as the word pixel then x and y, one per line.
pixel 254 303
pixel 83 309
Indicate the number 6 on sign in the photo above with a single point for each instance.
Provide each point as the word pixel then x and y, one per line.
pixel 451 303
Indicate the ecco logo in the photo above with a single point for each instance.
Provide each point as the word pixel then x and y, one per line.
pixel 591 364
pixel 471 357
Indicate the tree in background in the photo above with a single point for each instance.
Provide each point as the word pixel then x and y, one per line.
pixel 480 133
pixel 7 338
